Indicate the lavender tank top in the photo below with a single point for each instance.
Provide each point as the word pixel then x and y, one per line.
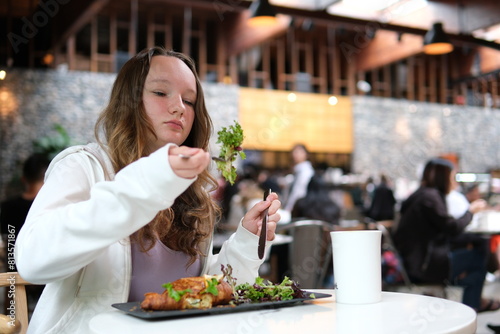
pixel 158 266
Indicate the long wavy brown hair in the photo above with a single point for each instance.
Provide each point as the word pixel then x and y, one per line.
pixel 126 128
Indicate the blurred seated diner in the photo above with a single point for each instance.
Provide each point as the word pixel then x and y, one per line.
pixel 423 233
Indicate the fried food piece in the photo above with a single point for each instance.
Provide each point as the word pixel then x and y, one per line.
pixel 190 293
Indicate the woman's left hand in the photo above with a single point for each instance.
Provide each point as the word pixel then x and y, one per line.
pixel 253 218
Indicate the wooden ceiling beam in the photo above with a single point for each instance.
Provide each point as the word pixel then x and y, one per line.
pixel 239 36
pixel 387 47
pixel 490 60
pixel 86 14
pixel 370 26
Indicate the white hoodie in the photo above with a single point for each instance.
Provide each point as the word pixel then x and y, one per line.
pixel 76 236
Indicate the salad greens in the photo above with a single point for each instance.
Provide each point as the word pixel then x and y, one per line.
pixel 231 139
pixel 263 290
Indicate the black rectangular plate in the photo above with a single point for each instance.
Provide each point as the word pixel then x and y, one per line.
pixel 134 308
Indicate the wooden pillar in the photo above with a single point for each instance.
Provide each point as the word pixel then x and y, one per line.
pixel 432 78
pixel 322 59
pixel 266 65
pixel 31 43
pixel 454 73
pixel 93 45
pixel 186 37
pixel 443 79
pixel 168 32
pixel 151 29
pixel 202 48
pixel 410 79
pixel 494 91
pixel 132 37
pixel 221 57
pixel 250 70
pixel 351 78
pixel 8 45
pixel 463 91
pixel 70 52
pixel 113 39
pixel 334 58
pixel 375 82
pixel 475 89
pixel 233 69
pixel 421 79
pixel 280 63
pixel 387 81
pixel 483 82
pixel 307 48
pixel 360 76
pixel 294 56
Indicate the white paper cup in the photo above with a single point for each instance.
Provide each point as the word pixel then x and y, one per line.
pixel 357 266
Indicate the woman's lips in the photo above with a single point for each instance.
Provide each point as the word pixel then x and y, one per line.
pixel 175 125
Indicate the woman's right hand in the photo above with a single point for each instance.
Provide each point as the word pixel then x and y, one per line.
pixel 190 167
pixel 478 205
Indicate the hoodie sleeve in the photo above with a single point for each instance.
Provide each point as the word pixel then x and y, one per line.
pixel 239 251
pixel 76 214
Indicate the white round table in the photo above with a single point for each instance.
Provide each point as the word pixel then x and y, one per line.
pixel 397 313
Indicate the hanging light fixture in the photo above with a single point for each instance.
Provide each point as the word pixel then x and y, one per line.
pixel 436 42
pixel 262 14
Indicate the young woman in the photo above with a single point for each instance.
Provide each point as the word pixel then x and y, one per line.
pixel 425 235
pixel 120 218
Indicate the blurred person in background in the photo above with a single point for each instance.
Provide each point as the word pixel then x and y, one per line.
pixel 472 193
pixel 317 203
pixel 424 232
pixel 303 171
pixel 13 212
pixel 382 206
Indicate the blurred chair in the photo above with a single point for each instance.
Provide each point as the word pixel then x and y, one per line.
pixel 310 252
pixel 16 286
pixel 436 290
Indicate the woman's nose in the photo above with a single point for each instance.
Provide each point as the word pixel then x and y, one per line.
pixel 177 105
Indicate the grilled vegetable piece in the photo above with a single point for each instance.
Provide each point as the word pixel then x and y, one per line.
pixel 190 293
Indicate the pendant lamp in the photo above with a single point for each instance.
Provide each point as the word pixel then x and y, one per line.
pixel 262 14
pixel 436 42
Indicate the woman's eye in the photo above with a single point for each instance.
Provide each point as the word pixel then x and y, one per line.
pixel 159 93
pixel 189 103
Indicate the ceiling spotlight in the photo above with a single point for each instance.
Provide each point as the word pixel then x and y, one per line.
pixel 436 42
pixel 262 14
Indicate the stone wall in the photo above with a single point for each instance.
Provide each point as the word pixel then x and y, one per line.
pixel 396 137
pixel 390 136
